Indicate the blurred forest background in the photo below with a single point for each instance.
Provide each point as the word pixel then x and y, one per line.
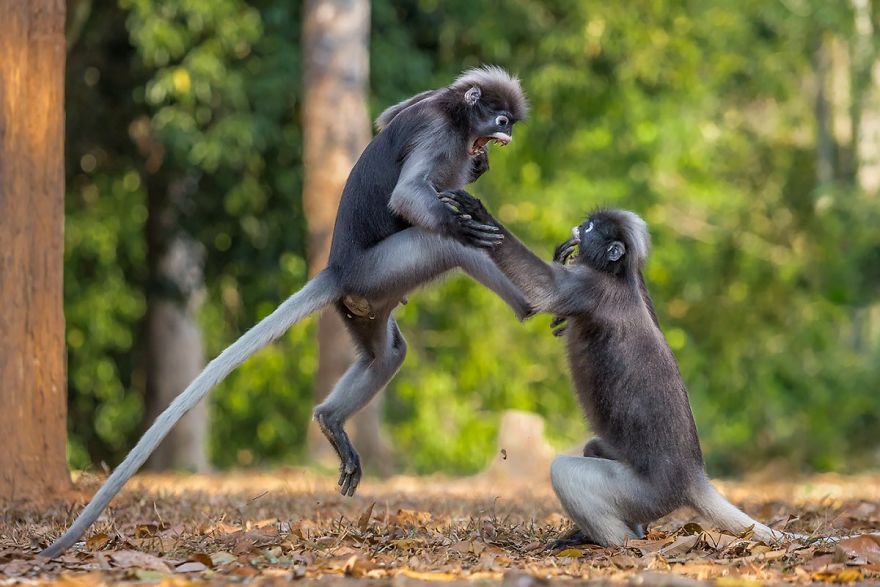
pixel 746 132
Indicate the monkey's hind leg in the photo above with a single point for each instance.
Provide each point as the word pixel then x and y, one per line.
pixel 382 349
pixel 606 499
pixel 598 448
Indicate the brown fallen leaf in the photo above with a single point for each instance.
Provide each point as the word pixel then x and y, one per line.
pixel 847 575
pixel 146 530
pixel 429 576
pixel 364 519
pixel 570 553
pixel 16 568
pixel 357 566
pixel 191 567
pixel 682 545
pixel 97 541
pixel 718 540
pixel 410 518
pixel 222 557
pixel 624 561
pixel 649 546
pixel 865 547
pixel 201 557
pixel 126 559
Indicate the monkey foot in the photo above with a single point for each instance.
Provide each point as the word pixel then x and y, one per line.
pixel 350 467
pixel 574 537
pixel 349 475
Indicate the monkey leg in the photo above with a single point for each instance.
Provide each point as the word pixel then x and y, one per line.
pixel 480 266
pixel 382 349
pixel 410 258
pixel 606 499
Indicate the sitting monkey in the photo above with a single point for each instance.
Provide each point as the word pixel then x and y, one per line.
pixel 646 460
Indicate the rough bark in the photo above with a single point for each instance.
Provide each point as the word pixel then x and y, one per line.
pixel 866 99
pixel 866 128
pixel 336 129
pixel 33 460
pixel 175 354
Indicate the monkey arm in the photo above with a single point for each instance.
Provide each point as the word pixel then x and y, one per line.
pixel 415 198
pixel 554 288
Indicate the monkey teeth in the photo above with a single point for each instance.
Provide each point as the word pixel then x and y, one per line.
pixel 501 138
pixel 479 145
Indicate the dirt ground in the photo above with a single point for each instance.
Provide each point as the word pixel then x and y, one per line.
pixel 265 528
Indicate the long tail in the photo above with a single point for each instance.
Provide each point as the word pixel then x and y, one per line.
pixel 317 293
pixel 726 516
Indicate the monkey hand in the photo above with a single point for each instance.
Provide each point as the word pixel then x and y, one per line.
pixel 479 165
pixel 470 222
pixel 558 325
pixel 565 252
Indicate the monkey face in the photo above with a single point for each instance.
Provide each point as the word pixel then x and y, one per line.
pixel 490 124
pixel 600 242
pixel 490 120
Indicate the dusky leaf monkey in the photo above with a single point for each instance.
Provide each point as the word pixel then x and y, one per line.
pixel 392 235
pixel 645 460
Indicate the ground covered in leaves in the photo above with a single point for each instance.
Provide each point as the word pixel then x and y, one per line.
pixel 258 529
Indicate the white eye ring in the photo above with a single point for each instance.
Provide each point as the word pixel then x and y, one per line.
pixel 589 227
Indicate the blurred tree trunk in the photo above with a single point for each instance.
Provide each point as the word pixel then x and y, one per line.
pixel 866 99
pixel 33 462
pixel 865 125
pixel 175 354
pixel 336 128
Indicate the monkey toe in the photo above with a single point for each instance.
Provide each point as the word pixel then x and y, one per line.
pixel 349 474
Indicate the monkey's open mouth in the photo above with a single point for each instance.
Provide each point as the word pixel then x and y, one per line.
pixel 480 144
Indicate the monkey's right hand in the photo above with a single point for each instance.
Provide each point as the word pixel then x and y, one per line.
pixel 564 252
pixel 558 325
pixel 470 223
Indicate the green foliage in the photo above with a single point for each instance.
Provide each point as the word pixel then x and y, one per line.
pixel 697 115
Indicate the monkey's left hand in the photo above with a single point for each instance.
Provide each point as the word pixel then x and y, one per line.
pixel 475 226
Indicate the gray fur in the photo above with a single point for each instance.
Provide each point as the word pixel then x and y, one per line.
pixel 646 460
pixel 392 111
pixel 392 235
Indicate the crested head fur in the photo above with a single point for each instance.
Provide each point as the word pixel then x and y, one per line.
pixel 628 227
pixel 495 83
pixel 635 233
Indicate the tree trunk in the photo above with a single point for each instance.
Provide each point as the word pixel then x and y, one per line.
pixel 866 127
pixel 866 99
pixel 175 355
pixel 336 129
pixel 33 461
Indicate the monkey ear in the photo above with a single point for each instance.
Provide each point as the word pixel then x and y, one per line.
pixel 615 251
pixel 472 96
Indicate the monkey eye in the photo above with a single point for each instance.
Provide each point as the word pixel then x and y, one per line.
pixel 502 120
pixel 589 227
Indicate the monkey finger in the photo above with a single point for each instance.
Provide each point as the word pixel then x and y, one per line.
pixel 479 226
pixel 483 244
pixel 479 235
pixel 560 331
pixel 556 321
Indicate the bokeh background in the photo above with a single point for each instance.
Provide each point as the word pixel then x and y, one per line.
pixel 746 132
